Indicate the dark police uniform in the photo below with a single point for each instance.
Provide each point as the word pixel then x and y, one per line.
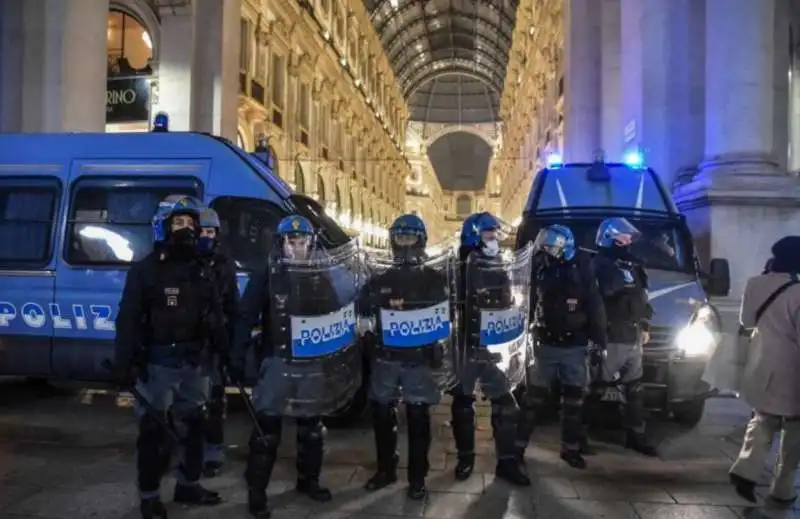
pixel 405 362
pixel 568 313
pixel 223 276
pixel 623 285
pixel 491 290
pixel 287 384
pixel 169 328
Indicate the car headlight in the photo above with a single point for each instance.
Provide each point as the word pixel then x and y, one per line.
pixel 701 335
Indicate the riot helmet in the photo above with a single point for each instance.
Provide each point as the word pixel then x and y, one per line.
pixel 555 242
pixel 208 240
pixel 617 232
pixel 486 228
pixel 296 236
pixel 408 237
pixel 176 222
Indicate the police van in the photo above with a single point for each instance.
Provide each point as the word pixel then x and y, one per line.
pixel 685 327
pixel 75 211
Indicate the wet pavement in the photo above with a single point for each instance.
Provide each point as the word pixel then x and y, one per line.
pixel 70 456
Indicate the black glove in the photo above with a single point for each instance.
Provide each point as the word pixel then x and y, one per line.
pixel 235 374
pixel 597 355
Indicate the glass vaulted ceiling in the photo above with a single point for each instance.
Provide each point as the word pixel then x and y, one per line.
pixel 450 56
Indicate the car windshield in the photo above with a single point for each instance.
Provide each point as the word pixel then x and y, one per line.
pixel 664 243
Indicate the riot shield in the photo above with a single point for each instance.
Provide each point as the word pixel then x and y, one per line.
pixel 317 364
pixel 495 313
pixel 410 310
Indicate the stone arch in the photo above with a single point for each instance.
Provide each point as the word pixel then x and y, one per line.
pixel 142 10
pixel 456 128
pixel 322 196
pixel 299 178
pixel 245 136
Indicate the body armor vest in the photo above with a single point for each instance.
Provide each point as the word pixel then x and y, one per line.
pixel 561 300
pixel 177 300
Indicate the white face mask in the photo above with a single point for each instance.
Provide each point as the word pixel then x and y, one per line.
pixel 491 248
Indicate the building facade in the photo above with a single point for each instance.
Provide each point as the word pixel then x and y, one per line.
pixel 705 89
pixel 311 80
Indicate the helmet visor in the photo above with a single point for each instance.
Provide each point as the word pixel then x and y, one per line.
pixel 551 242
pixel 405 240
pixel 297 246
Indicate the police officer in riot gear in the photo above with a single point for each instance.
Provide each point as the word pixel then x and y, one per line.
pixel 302 374
pixel 409 358
pixel 623 285
pixel 479 242
pixel 568 312
pixel 167 333
pixel 223 272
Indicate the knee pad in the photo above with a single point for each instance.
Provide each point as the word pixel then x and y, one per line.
pixel 461 401
pixel 572 396
pixel 271 426
pixel 506 400
pixel 384 412
pixel 310 430
pixel 536 397
pixel 418 411
pixel 634 386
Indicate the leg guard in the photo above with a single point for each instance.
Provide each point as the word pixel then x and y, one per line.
pixel 571 418
pixel 463 423
pixel 505 417
pixel 193 446
pixel 310 444
pixel 634 408
pixel 533 402
pixel 384 418
pixel 215 425
pixel 419 441
pixel 263 453
pixel 150 454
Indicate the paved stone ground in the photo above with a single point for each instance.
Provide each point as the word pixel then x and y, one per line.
pixel 70 456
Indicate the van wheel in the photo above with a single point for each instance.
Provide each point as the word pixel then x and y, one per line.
pixel 350 414
pixel 689 413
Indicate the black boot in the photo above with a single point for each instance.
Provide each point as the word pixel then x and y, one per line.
pixel 419 443
pixel 462 421
pixel 384 418
pixel 188 490
pixel 505 416
pixel 572 434
pixel 260 462
pixel 310 448
pixel 152 508
pixel 635 438
pixel 745 488
pixel 151 457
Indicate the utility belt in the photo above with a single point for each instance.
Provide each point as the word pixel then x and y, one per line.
pixel 431 355
pixel 626 332
pixel 563 339
pixel 176 354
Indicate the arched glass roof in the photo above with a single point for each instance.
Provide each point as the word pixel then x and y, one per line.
pixel 430 43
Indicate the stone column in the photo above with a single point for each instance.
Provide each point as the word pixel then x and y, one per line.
pixel 216 81
pixel 739 195
pixel 780 73
pixel 581 79
pixel 794 93
pixel 176 63
pixel 611 94
pixel 11 60
pixel 64 49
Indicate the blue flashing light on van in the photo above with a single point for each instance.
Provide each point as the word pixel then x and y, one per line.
pixel 581 196
pixel 75 211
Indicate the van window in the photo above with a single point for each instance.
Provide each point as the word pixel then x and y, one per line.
pixel 110 221
pixel 27 210
pixel 248 229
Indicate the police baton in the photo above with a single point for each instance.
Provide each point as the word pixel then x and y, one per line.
pixel 144 402
pixel 251 410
